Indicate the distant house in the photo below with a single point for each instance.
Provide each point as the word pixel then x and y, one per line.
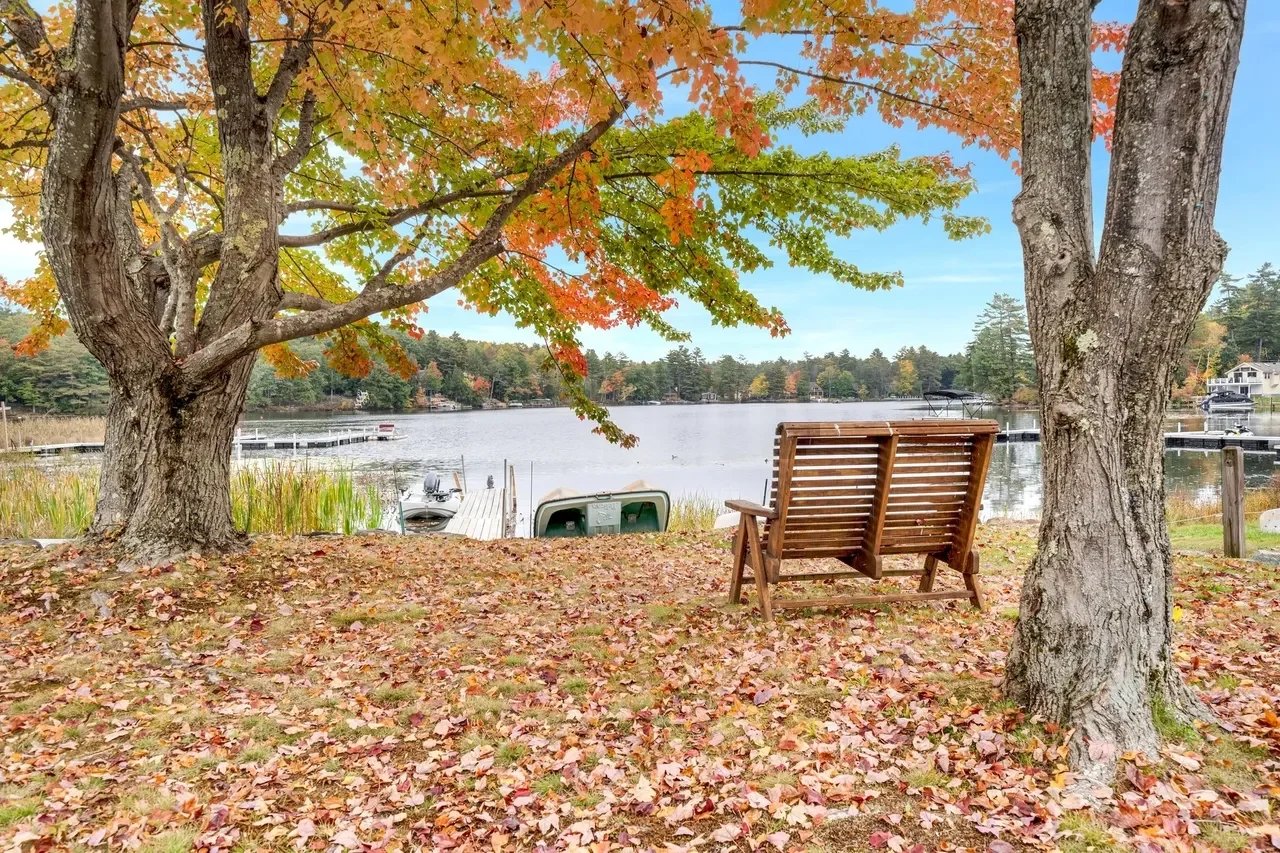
pixel 816 394
pixel 1255 378
pixel 710 397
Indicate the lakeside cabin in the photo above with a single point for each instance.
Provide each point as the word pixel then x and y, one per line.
pixel 1250 379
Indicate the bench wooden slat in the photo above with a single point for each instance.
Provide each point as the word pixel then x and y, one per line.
pixel 860 490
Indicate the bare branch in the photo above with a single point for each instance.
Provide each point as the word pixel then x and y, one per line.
pixel 130 104
pixel 27 80
pixel 870 87
pixel 322 204
pixel 294 59
pixel 28 31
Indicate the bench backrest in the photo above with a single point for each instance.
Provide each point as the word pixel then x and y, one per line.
pixel 879 487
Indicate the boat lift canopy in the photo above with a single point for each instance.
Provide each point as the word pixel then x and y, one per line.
pixel 947 396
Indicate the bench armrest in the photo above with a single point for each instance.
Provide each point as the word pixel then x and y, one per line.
pixel 749 508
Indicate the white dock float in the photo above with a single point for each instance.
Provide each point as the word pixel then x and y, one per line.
pixel 481 516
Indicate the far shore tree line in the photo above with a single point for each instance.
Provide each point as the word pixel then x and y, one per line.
pixel 1242 325
pixel 65 379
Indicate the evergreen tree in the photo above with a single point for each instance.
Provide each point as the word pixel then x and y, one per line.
pixel 1250 313
pixel 1000 360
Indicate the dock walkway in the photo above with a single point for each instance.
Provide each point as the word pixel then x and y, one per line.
pixel 479 517
pixel 241 442
pixel 487 513
pixel 1177 441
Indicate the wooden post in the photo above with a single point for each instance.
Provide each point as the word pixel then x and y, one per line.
pixel 1233 544
pixel 4 415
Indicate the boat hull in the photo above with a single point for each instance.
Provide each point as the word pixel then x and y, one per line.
pixel 418 506
pixel 634 511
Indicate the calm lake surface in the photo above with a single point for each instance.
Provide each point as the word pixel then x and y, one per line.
pixel 717 451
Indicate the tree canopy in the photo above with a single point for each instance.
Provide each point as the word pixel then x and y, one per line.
pixel 273 170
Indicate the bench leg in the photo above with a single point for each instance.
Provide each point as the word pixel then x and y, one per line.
pixel 758 568
pixel 739 562
pixel 971 581
pixel 930 573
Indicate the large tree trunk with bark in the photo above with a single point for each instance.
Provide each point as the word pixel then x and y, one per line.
pixel 166 468
pixel 1093 644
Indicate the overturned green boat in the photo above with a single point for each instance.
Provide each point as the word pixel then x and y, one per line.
pixel 637 508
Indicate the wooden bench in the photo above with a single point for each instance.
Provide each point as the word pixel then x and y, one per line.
pixel 858 491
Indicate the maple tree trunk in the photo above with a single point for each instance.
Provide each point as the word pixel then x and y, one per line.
pixel 1093 645
pixel 165 483
pixel 175 483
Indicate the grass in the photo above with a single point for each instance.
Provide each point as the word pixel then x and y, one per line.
pixel 46 501
pixel 693 513
pixel 1208 537
pixel 14 812
pixel 30 430
pixel 1084 834
pixel 56 500
pixel 1195 523
pixel 283 497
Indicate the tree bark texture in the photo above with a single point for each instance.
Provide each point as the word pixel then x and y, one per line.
pixel 1093 644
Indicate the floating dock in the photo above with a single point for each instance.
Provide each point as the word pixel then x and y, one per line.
pixel 1177 440
pixel 487 513
pixel 241 442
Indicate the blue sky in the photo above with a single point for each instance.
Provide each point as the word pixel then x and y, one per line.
pixel 947 283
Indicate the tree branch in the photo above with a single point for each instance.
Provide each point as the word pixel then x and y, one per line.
pixel 377 295
pixel 385 219
pixel 870 87
pixel 289 160
pixel 291 301
pixel 291 63
pixel 27 80
pixel 1054 211
pixel 130 104
pixel 28 32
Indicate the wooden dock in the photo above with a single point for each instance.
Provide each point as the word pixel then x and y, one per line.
pixel 1177 441
pixel 488 513
pixel 241 442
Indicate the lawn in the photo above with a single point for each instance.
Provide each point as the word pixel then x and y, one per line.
pixel 426 694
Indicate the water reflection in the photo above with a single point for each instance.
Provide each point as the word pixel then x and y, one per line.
pixel 719 451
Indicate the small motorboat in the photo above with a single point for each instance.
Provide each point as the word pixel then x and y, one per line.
pixel 1227 401
pixel 636 508
pixel 430 500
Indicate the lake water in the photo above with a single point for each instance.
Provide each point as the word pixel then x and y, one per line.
pixel 719 451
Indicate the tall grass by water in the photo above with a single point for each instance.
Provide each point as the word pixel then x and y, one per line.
pixel 46 502
pixel 56 501
pixel 1188 507
pixel 29 430
pixel 282 497
pixel 693 512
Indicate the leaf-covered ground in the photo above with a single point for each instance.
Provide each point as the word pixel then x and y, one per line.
pixel 430 694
